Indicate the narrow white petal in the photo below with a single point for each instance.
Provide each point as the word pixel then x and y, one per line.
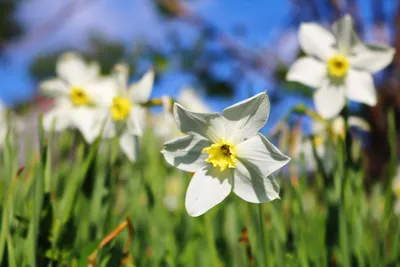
pixel 140 91
pixel 360 87
pixel 329 100
pixel 246 118
pixel 189 98
pixel 207 188
pixel 121 76
pixel 371 57
pixel 54 87
pixel 208 125
pixel 345 34
pixel 85 120
pixel 316 40
pixel 308 71
pixel 103 123
pixel 129 144
pixel 360 123
pixel 186 153
pixel 251 186
pixel 101 91
pixel 137 120
pixel 261 155
pixel 57 119
pixel 73 69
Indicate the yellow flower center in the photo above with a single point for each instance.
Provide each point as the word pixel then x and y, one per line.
pixel 222 154
pixel 120 108
pixel 79 97
pixel 338 66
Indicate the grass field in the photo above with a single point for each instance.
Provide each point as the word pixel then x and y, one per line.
pixel 77 205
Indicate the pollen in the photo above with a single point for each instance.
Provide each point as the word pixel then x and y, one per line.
pixel 221 154
pixel 120 108
pixel 338 66
pixel 79 97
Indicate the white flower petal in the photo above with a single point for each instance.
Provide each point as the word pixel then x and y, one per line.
pixel 54 87
pixel 360 123
pixel 140 91
pixel 101 91
pixel 345 34
pixel 371 57
pixel 121 76
pixel 186 153
pixel 189 98
pixel 251 186
pixel 316 40
pixel 207 188
pixel 137 120
pixel 208 125
pixel 329 100
pixel 258 153
pixel 85 120
pixel 57 119
pixel 129 144
pixel 73 69
pixel 246 118
pixel 103 123
pixel 360 87
pixel 308 71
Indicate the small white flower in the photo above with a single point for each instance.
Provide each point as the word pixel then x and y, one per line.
pixel 227 153
pixel 124 114
pixel 78 91
pixel 339 65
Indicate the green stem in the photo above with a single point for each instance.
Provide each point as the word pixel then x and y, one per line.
pixel 264 241
pixel 211 240
pixel 347 151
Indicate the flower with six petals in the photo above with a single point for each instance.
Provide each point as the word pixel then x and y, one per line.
pixel 124 115
pixel 226 153
pixel 338 65
pixel 78 91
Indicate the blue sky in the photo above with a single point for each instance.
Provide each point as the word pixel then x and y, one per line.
pixel 132 20
pixel 126 21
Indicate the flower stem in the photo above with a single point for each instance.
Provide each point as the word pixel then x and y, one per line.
pixel 211 241
pixel 347 151
pixel 261 214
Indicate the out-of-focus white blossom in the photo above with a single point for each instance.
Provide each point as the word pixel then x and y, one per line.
pixel 124 115
pixel 164 123
pixel 174 191
pixel 338 65
pixel 78 91
pixel 324 136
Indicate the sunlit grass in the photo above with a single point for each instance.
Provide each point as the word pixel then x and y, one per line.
pixel 72 204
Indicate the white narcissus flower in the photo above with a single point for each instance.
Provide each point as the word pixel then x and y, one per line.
pixel 338 65
pixel 124 114
pixel 227 153
pixel 78 91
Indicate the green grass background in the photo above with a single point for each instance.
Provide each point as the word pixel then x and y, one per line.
pixel 68 197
